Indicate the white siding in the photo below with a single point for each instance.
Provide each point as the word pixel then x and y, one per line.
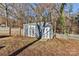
pixel 31 30
pixel 46 33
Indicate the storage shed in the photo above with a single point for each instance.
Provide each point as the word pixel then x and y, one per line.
pixel 32 30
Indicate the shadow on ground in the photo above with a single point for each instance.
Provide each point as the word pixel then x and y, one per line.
pixel 21 49
pixel 2 47
pixel 4 36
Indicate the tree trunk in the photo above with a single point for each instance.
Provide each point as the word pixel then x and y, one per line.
pixel 10 30
pixel 39 31
pixel 20 31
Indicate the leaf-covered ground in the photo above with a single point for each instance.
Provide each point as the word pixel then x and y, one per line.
pixel 53 47
pixel 12 44
pixel 39 48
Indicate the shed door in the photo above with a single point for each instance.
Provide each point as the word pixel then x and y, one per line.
pixel 46 33
pixel 31 31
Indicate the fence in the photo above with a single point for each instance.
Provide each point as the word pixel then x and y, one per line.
pixel 4 30
pixel 14 31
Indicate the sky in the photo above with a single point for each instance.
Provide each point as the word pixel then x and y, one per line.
pixel 75 7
